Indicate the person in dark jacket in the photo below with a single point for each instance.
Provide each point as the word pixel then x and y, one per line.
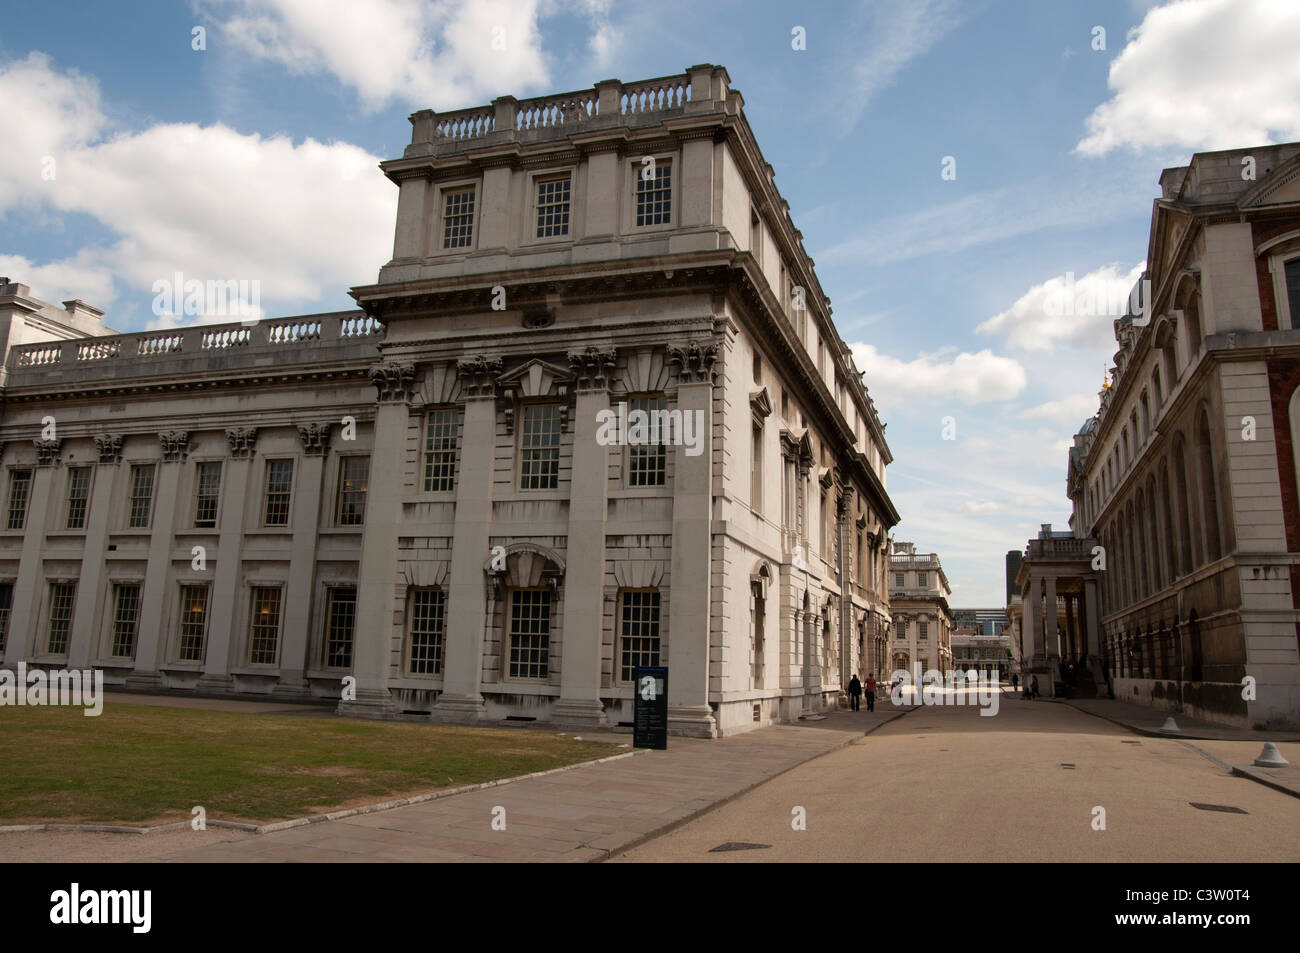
pixel 871 691
pixel 855 693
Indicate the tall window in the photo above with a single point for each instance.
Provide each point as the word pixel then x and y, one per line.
pixel 900 631
pixel 207 490
pixel 264 626
pixel 20 488
pixel 193 623
pixel 126 618
pixel 654 195
pixel 141 496
pixel 539 467
pixel 756 236
pixel 923 630
pixel 440 450
pixel 647 462
pixel 758 611
pixel 457 218
pixel 756 470
pixel 62 596
pixel 78 496
pixel 825 533
pixel 922 579
pixel 552 207
pixel 1292 270
pixel 428 610
pixel 279 486
pixel 530 632
pixel 900 580
pixel 340 622
pixel 354 480
pixel 638 631
pixel 6 605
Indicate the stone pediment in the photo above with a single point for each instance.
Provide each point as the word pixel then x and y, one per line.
pixel 1279 187
pixel 536 378
pixel 760 404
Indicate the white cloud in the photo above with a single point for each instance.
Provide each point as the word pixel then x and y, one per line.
pixel 899 32
pixel 440 53
pixel 302 219
pixel 969 378
pixel 983 506
pixel 1075 312
pixel 82 276
pixel 1203 74
pixel 1068 411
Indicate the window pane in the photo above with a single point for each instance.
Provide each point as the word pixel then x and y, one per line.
pixel 354 480
pixel 440 451
pixel 194 623
pixel 639 631
pixel 654 195
pixel 539 467
pixel 264 631
pixel 279 483
pixel 141 496
pixel 457 218
pixel 427 613
pixel 1293 290
pixel 530 632
pixel 6 604
pixel 62 595
pixel 78 494
pixel 647 462
pixel 553 207
pixel 20 487
pixel 126 616
pixel 341 620
pixel 209 488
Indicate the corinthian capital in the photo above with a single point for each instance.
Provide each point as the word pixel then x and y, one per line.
pixel 694 361
pixel 592 367
pixel 478 375
pixel 394 382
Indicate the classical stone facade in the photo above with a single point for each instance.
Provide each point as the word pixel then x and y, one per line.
pixel 446 495
pixel 922 620
pixel 1186 507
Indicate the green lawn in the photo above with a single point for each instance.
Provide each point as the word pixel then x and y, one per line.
pixel 141 765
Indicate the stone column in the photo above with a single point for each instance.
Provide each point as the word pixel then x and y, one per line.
pixel 579 702
pixel 99 507
pixel 461 698
pixel 1052 639
pixel 372 656
pixel 688 612
pixel 225 597
pixel 29 588
pixel 1034 620
pixel 299 594
pixel 1071 645
pixel 1092 632
pixel 151 641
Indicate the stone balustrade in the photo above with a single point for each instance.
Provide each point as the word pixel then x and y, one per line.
pixel 303 338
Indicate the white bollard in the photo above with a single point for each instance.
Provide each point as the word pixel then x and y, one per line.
pixel 1270 757
pixel 1170 727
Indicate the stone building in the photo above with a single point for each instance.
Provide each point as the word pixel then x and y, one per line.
pixel 918 598
pixel 980 641
pixel 593 414
pixel 1186 479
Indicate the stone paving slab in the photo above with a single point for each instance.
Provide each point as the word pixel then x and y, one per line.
pixel 1282 779
pixel 583 814
pixel 1147 721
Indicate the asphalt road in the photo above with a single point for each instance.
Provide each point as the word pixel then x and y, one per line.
pixel 948 784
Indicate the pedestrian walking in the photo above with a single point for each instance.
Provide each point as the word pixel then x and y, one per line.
pixel 1033 686
pixel 871 691
pixel 855 693
pixel 1015 681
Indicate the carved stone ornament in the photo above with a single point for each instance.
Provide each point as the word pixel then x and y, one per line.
pixel 109 447
pixel 243 442
pixel 478 375
pixel 394 382
pixel 315 438
pixel 694 361
pixel 47 452
pixel 592 368
pixel 175 445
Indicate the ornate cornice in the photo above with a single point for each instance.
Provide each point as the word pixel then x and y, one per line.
pixel 592 368
pixel 760 405
pixel 175 445
pixel 478 375
pixel 394 382
pixel 694 361
pixel 315 438
pixel 47 452
pixel 243 442
pixel 109 447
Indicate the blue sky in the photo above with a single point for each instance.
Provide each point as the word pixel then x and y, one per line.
pixel 256 157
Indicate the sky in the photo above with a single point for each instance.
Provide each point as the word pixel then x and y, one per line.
pixel 957 169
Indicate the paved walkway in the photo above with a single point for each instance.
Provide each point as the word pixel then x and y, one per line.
pixel 1147 721
pixel 581 814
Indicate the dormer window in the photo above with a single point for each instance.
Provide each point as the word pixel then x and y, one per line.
pixel 458 218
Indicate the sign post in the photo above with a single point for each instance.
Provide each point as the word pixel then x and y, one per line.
pixel 650 707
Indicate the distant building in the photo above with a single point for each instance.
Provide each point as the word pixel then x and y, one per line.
pixel 918 595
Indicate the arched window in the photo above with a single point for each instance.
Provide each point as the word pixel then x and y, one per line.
pixel 1153 534
pixel 1155 389
pixel 1209 488
pixel 1171 552
pixel 1144 577
pixel 1186 555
